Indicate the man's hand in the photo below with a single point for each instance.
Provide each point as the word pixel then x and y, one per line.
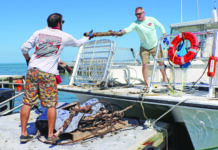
pixel 165 40
pixel 89 34
pixel 27 58
pixel 27 61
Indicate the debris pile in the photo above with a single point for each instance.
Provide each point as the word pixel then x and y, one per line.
pixel 91 120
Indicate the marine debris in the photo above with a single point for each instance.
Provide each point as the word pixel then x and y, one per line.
pixel 93 122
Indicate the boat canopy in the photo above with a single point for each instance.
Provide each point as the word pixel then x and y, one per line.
pixel 194 26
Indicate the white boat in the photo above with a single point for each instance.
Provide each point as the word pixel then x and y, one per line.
pixel 191 99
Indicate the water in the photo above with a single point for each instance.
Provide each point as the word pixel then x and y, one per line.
pixel 21 69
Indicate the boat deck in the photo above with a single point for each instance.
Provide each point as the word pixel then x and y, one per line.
pixel 198 97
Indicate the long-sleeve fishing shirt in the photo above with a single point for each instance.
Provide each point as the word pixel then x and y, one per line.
pixel 146 31
pixel 49 44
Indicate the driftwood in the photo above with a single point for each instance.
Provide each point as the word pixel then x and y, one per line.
pixel 66 124
pixel 100 34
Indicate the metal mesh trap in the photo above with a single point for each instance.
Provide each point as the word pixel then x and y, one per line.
pixel 93 63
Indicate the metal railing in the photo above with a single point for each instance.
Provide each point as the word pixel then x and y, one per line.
pixel 7 82
pixel 7 101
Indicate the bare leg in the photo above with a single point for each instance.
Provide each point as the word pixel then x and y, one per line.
pixel 162 70
pixel 51 115
pixel 24 117
pixel 145 73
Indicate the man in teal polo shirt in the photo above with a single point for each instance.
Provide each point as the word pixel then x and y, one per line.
pixel 146 29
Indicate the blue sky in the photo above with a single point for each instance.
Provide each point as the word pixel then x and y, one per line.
pixel 19 19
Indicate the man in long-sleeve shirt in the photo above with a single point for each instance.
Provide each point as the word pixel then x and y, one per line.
pixel 42 70
pixel 146 29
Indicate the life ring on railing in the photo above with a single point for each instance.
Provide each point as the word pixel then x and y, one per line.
pixel 190 54
pixel 19 83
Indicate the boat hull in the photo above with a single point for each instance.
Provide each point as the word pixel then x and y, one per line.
pixel 202 126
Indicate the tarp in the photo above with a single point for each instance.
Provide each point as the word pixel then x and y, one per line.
pixel 62 115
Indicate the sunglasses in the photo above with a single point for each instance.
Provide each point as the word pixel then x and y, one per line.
pixel 138 13
pixel 62 21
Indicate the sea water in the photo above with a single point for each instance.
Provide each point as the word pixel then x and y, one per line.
pixel 21 69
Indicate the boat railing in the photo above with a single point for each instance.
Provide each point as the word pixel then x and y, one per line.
pixel 7 101
pixel 178 76
pixel 11 81
pixel 133 60
pixel 16 83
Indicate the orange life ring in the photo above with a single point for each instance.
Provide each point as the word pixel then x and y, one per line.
pixel 190 54
pixel 19 85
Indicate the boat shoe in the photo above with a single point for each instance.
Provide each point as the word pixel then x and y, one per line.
pixel 52 140
pixel 24 139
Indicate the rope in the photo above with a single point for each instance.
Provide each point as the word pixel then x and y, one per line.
pixel 172 91
pixel 153 124
pixel 141 103
pixel 168 111
pixel 173 72
pixel 200 76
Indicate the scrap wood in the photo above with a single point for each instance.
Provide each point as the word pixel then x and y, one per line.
pixel 98 125
pixel 79 135
pixel 118 113
pixel 66 124
pixel 97 120
pixel 75 108
pixel 99 34
pixel 104 113
pixel 70 105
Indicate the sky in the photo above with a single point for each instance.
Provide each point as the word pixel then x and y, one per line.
pixel 21 18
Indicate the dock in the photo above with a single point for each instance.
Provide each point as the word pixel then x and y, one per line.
pixel 136 138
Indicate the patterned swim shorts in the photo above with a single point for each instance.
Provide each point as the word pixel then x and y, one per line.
pixel 40 85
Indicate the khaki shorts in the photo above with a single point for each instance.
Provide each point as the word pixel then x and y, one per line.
pixel 145 54
pixel 40 85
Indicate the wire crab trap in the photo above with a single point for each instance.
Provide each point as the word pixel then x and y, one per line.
pixel 93 63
